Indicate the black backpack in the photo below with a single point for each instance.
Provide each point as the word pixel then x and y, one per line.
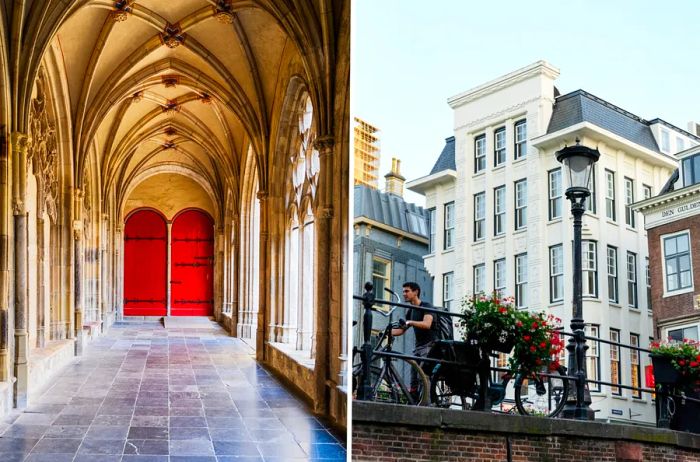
pixel 442 323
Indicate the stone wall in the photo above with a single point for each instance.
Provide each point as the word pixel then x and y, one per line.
pixel 382 432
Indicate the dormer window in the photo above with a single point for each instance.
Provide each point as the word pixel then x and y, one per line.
pixel 665 141
pixel 691 170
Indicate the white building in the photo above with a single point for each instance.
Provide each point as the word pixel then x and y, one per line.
pixel 499 220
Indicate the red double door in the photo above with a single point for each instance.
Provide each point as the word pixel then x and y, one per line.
pixel 146 264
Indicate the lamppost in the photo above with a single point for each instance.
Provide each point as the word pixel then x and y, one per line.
pixel 578 161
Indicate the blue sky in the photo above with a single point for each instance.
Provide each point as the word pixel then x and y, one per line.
pixel 408 57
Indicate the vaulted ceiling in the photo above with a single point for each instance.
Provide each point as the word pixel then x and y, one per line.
pixel 186 83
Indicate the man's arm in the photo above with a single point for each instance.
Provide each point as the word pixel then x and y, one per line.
pixel 426 323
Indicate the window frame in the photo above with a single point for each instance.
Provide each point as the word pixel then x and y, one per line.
pixel 612 276
pixel 556 200
pixel 591 202
pixel 630 215
pixel 499 213
pixel 610 203
pixel 432 230
pixel 520 150
pixel 520 211
pixel 447 290
pixel 616 391
pixel 666 329
pixel 635 359
pixel 632 285
pixel 448 220
pixel 479 153
pixel 556 278
pixel 499 153
pixel 520 282
pixel 594 270
pixel 481 269
pixel 593 355
pixel 480 219
pixel 387 277
pixel 680 290
pixel 503 273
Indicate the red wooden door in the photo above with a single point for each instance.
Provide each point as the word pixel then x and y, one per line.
pixel 192 265
pixel 145 273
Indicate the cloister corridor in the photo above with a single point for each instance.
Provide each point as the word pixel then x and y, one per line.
pixel 148 393
pixel 164 162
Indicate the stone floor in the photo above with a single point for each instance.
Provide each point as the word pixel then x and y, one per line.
pixel 146 393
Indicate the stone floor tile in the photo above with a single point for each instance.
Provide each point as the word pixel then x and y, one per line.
pixel 176 421
pixel 148 433
pixel 189 433
pixel 281 450
pixel 97 458
pixel 99 446
pixel 107 432
pixel 66 431
pixel 57 446
pixel 144 458
pixel 147 447
pixel 49 458
pixel 191 448
pixel 149 421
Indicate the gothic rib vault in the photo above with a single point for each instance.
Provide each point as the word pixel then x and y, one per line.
pixel 238 109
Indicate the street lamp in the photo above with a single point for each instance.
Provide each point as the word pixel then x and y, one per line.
pixel 578 161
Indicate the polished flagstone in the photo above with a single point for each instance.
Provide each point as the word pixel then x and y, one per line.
pixel 149 394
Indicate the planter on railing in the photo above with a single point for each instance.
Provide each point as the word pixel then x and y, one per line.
pixel 665 372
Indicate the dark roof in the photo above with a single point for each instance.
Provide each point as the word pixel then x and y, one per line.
pixel 580 106
pixel 446 161
pixel 390 210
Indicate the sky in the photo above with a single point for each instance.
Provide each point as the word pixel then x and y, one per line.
pixel 409 56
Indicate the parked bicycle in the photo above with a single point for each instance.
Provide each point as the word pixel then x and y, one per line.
pixel 541 392
pixel 390 377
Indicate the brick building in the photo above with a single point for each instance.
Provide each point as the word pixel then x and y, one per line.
pixel 672 221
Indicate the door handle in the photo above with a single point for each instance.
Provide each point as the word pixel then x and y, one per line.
pixel 175 282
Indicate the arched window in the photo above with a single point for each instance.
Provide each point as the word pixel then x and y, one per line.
pixel 300 261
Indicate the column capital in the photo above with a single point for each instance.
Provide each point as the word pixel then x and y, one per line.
pixel 19 141
pixel 77 230
pixel 325 144
pixel 262 195
pixel 18 207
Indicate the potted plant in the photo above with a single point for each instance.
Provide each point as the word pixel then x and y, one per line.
pixel 537 342
pixel 489 321
pixel 676 362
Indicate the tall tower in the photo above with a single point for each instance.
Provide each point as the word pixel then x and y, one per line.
pixel 367 153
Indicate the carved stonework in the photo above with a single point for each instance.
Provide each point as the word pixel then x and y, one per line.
pixel 170 81
pixel 262 195
pixel 205 98
pixel 169 145
pixel 18 207
pixel 223 12
pixel 171 107
pixel 42 149
pixel 325 144
pixel 122 8
pixel 136 97
pixel 172 36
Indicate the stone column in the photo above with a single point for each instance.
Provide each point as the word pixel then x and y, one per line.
pixel 264 278
pixel 78 269
pixel 219 282
pixel 5 195
pixel 324 224
pixel 41 276
pixel 118 274
pixel 104 279
pixel 235 273
pixel 19 210
pixel 168 266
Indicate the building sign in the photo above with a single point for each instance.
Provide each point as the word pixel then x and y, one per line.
pixel 672 212
pixel 616 411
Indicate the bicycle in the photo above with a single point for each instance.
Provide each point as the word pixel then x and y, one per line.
pixel 541 392
pixel 388 374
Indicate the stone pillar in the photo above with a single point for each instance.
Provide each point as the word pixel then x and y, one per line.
pixel 324 224
pixel 219 282
pixel 103 279
pixel 118 274
pixel 5 195
pixel 264 278
pixel 169 270
pixel 19 210
pixel 235 273
pixel 41 277
pixel 78 270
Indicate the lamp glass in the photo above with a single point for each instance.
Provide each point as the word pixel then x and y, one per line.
pixel 579 167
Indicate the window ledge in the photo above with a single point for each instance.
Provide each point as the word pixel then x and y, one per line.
pixel 611 222
pixel 500 236
pixel 619 397
pixel 520 231
pixel 614 304
pixel 554 220
pixel 300 357
pixel 520 160
pixel 499 167
pixel 630 228
pixel 678 292
pixel 478 174
pixel 448 250
pixel 556 304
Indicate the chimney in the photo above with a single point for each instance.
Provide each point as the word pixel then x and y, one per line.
pixel 394 180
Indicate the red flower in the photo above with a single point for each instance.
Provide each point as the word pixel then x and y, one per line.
pixel 526 338
pixel 543 344
pixel 694 364
pixel 534 325
pixel 681 362
pixel 502 310
pixel 532 348
pixel 538 361
pixel 520 324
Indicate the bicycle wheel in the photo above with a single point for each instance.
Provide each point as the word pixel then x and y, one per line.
pixel 389 383
pixel 444 396
pixel 541 393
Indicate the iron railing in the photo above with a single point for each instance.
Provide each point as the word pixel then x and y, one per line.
pixel 668 398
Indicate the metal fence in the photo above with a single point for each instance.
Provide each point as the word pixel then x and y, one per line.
pixel 668 399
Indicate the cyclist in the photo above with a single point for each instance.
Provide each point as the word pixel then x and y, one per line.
pixel 423 325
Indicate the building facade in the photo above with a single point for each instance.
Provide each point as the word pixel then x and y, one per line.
pixel 499 220
pixel 672 221
pixel 366 151
pixel 390 241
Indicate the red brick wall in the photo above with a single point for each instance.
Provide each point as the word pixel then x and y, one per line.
pixel 678 305
pixel 389 443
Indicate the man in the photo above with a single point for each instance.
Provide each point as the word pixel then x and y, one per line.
pixel 422 322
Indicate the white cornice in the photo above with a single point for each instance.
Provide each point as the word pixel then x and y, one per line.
pixel 669 207
pixel 533 70
pixel 419 185
pixel 399 232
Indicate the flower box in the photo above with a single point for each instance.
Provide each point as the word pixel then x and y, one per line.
pixel 664 371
